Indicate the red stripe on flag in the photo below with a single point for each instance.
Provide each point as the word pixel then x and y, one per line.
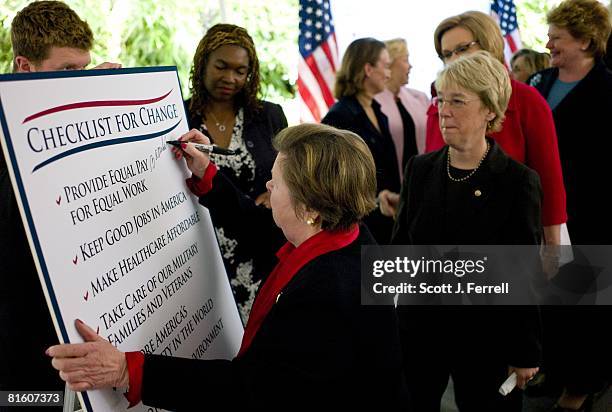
pixel 309 100
pixel 511 43
pixel 327 95
pixel 328 53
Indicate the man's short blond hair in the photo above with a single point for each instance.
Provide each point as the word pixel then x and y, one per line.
pixel 45 24
pixel 481 74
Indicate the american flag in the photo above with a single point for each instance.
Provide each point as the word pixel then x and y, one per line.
pixel 318 59
pixel 504 12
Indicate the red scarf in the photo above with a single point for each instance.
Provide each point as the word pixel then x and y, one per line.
pixel 291 260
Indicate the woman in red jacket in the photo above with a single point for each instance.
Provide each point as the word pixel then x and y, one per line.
pixel 528 134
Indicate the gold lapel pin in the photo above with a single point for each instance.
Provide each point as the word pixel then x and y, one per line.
pixel 477 193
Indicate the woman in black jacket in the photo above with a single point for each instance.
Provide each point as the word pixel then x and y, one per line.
pixel 225 106
pixel 362 75
pixel 469 193
pixel 578 89
pixel 309 344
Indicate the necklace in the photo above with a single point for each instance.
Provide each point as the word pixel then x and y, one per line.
pixel 220 125
pixel 464 178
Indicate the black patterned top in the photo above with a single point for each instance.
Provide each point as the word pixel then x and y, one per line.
pixel 240 168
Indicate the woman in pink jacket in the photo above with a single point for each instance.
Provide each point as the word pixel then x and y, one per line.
pixel 406 110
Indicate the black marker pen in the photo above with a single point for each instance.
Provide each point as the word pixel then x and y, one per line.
pixel 204 148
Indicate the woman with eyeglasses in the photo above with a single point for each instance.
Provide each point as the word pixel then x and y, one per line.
pixel 469 193
pixel 528 133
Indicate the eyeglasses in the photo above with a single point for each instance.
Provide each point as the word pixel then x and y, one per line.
pixel 454 103
pixel 462 48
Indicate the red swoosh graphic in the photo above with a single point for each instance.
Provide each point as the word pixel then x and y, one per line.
pixel 95 103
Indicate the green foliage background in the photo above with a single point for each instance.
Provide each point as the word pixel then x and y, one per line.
pixel 531 15
pixel 166 32
pixel 139 33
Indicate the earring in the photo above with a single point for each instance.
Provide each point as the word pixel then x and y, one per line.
pixel 310 221
pixel 489 125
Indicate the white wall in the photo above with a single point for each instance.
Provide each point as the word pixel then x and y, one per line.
pixel 413 20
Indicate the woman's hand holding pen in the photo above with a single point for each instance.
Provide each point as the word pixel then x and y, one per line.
pixel 197 161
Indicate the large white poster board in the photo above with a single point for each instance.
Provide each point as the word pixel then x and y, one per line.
pixel 118 240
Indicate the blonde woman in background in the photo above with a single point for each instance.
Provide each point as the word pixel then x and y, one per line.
pixel 406 110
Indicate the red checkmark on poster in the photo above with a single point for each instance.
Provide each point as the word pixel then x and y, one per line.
pixel 76 258
pixel 86 296
pixel 59 200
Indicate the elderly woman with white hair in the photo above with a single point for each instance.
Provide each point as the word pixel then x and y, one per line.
pixel 406 110
pixel 469 193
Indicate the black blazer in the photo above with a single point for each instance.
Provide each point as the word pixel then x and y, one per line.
pixel 585 142
pixel 317 345
pixel 348 114
pixel 260 128
pixel 507 213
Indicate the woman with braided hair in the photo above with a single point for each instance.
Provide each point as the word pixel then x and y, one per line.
pixel 225 106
